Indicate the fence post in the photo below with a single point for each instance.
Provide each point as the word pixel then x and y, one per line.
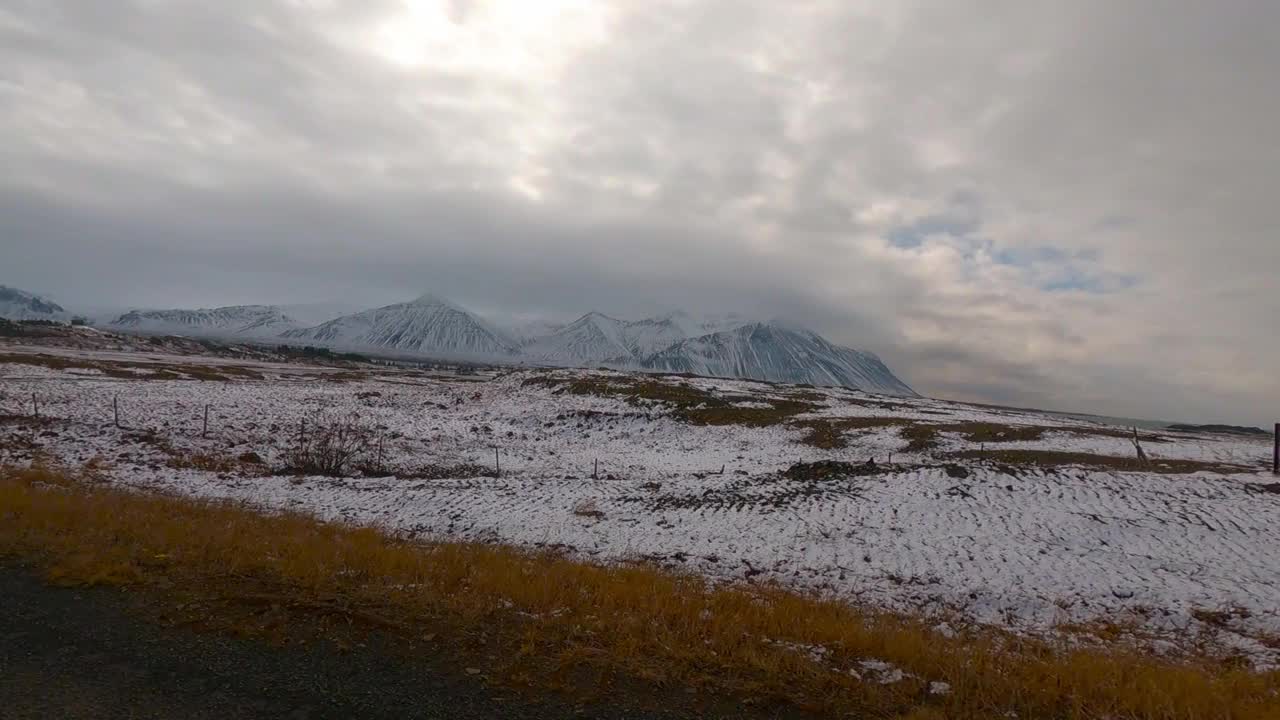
pixel 115 409
pixel 1275 451
pixel 204 430
pixel 497 464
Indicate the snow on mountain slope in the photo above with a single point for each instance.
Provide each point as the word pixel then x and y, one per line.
pixel 770 352
pixel 592 338
pixel 596 337
pixel 18 304
pixel 525 331
pixel 646 337
pixel 724 346
pixel 236 320
pixel 426 325
pixel 705 324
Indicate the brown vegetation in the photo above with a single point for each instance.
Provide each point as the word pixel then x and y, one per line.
pixel 554 616
pixel 130 370
pixel 1055 459
pixel 828 433
pixel 689 404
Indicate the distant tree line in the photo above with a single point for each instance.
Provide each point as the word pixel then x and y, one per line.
pixel 319 353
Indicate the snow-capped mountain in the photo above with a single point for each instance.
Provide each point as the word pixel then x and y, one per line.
pixel 525 332
pixel 259 321
pixel 596 337
pixel 426 325
pixel 592 338
pixel 705 324
pixel 646 337
pixel 724 346
pixel 771 352
pixel 18 304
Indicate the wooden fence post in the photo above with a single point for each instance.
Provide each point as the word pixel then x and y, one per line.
pixel 497 464
pixel 595 474
pixel 1137 445
pixel 204 429
pixel 115 409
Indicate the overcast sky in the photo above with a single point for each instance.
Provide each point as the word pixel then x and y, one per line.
pixel 1061 204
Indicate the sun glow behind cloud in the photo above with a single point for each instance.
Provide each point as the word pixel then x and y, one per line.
pixel 512 38
pixel 521 47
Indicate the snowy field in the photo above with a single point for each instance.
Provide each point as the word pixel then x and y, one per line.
pixel 962 515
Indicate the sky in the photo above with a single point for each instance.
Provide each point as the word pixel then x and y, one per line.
pixel 1032 202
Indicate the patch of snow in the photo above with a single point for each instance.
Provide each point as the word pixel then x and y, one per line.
pixel 1025 552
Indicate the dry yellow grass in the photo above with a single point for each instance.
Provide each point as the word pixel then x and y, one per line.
pixel 634 621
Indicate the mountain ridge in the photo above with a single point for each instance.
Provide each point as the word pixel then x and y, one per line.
pixel 731 347
pixel 18 304
pixel 776 353
pixel 258 321
pixel 424 324
pixel 720 346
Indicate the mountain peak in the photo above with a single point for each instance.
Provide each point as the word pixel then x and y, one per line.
pixel 18 304
pixel 427 324
pixel 775 352
pixel 428 299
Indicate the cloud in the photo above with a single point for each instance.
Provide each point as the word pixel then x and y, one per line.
pixel 1066 205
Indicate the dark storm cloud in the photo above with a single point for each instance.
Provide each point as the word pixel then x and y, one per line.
pixel 1058 204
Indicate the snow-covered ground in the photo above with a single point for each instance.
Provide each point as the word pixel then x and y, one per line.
pixel 1032 549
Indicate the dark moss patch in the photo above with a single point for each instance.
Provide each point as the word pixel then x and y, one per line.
pixel 921 438
pixel 831 470
pixel 1058 459
pixel 879 404
pixel 1123 434
pixel 981 432
pixel 129 370
pixel 828 433
pixel 689 404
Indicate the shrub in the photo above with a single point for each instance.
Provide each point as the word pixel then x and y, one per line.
pixel 332 447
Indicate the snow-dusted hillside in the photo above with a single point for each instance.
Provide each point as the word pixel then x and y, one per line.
pixel 260 321
pixel 769 352
pixel 1051 528
pixel 18 304
pixel 425 325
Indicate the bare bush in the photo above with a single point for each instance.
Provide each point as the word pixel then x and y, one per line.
pixel 331 447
